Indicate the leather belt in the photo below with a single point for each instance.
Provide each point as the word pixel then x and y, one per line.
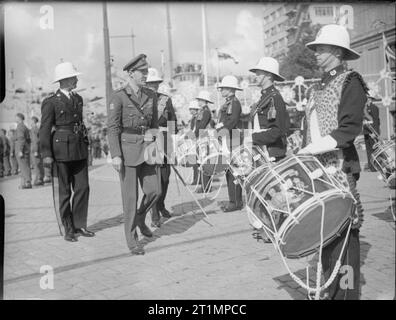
pixel 140 130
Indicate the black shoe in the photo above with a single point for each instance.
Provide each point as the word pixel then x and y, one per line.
pixel 138 251
pixel 156 224
pixel 145 230
pixel 27 186
pixel 70 237
pixel 165 213
pixel 230 207
pixel 47 180
pixel 39 183
pixel 84 232
pixel 9 174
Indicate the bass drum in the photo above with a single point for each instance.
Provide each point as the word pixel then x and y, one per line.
pixel 291 197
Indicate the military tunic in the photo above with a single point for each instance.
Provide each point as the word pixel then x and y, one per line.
pixel 130 117
pixel 63 137
pixel 273 121
pixel 22 145
pixel 230 114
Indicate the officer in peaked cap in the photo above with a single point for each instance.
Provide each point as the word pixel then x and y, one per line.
pixel 166 114
pixel 133 111
pixel 66 150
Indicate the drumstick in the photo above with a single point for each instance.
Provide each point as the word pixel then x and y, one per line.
pixel 195 199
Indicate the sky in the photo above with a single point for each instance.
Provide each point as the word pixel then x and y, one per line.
pixel 77 36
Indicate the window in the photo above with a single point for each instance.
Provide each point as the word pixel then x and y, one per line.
pixel 324 11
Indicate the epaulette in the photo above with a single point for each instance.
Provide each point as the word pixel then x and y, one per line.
pixel 51 95
pixel 353 74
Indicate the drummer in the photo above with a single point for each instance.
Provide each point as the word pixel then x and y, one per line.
pixel 229 116
pixel 193 107
pixel 202 124
pixel 270 120
pixel 334 116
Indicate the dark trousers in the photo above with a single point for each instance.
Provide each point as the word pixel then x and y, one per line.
pixel 369 142
pixel 24 166
pixel 149 178
pixel 234 190
pixel 346 285
pixel 38 169
pixel 165 171
pixel 6 165
pixel 14 165
pixel 73 190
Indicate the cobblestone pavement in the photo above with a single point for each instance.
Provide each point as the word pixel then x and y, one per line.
pixel 186 259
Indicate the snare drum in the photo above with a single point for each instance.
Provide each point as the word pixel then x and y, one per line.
pixel 288 200
pixel 212 159
pixel 186 153
pixel 383 160
pixel 245 159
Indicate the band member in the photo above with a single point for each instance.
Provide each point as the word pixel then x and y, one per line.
pixel 334 116
pixel 6 152
pixel 269 116
pixel 202 124
pixel 371 114
pixel 132 112
pixel 166 113
pixel 64 145
pixel 22 149
pixel 229 116
pixel 13 159
pixel 35 154
pixel 192 125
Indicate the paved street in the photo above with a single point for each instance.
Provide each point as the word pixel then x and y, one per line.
pixel 186 259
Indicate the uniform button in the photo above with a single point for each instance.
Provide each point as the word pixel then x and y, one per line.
pixel 142 118
pixel 75 115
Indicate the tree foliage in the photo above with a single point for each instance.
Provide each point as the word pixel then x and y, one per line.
pixel 299 60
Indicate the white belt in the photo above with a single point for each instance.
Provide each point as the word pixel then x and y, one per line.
pixel 163 129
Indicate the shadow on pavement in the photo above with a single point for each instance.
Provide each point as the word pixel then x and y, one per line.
pixel 184 207
pixel 175 225
pixel 107 223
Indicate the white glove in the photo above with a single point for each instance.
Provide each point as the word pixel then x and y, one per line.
pixel 325 144
pixel 219 125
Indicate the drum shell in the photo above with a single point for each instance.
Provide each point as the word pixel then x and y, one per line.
pixel 281 197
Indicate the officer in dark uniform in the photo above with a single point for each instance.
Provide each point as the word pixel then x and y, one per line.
pixel 22 149
pixel 13 159
pixel 35 153
pixel 6 152
pixel 371 113
pixel 270 119
pixel 132 112
pixel 202 124
pixel 66 149
pixel 229 117
pixel 166 114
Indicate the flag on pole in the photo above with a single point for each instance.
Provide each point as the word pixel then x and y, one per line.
pixel 389 53
pixel 226 56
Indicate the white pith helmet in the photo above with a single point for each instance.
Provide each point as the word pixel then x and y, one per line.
pixel 335 35
pixel 204 95
pixel 65 70
pixel 229 82
pixel 268 64
pixel 193 105
pixel 153 76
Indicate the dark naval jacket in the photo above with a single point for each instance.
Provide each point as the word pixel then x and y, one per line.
pixel 272 116
pixel 62 132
